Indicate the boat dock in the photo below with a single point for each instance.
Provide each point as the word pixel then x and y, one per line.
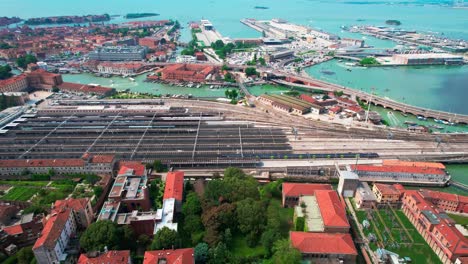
pixel 208 34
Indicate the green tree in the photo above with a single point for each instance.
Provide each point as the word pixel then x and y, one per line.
pixel 220 254
pixel 224 67
pixel 158 166
pixel 241 188
pixel 193 224
pixel 269 237
pixel 5 72
pixel 143 241
pixel 262 61
pixel 23 61
pixel 249 71
pixel 227 238
pixel 25 255
pixel 284 253
pixel 55 90
pixel 127 238
pixel 165 238
pixel 99 235
pixel 300 224
pixel 201 253
pixel 250 216
pixel 215 190
pixel 192 205
pixel 216 220
pixel 231 94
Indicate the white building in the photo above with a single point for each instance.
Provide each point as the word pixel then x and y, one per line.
pixel 54 239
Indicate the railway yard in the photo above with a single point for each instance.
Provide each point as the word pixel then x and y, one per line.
pixel 192 133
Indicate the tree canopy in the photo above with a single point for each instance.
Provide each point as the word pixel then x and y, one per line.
pixel 99 235
pixel 5 72
pixel 250 71
pixel 285 253
pixel 165 238
pixel 23 61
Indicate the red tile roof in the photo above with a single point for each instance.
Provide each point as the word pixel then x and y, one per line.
pixel 400 169
pixel 12 80
pixel 456 242
pixel 13 230
pixel 386 189
pixel 138 168
pixel 354 108
pixel 308 98
pixel 113 256
pixel 174 185
pixel 102 159
pixel 75 204
pixel 178 256
pixel 331 208
pixel 298 189
pixel 42 163
pixel 82 88
pixel 52 230
pixel 436 165
pixel 323 243
pixel 439 195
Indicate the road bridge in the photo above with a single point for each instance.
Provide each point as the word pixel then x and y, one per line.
pixel 311 83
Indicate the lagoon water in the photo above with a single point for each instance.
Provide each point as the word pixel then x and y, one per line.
pixel 441 87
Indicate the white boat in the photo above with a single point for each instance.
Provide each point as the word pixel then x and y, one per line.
pixel 350 64
pixel 131 79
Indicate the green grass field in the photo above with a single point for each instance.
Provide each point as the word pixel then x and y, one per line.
pixel 240 248
pixel 459 219
pixel 20 193
pixel 396 239
pixel 25 183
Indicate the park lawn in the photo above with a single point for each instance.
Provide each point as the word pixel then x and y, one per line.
pixel 240 248
pixel 459 219
pixel 20 193
pixel 419 253
pixel 25 183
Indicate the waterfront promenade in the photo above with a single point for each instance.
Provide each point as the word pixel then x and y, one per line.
pixel 311 83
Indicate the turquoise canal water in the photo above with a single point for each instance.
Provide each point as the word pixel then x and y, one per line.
pixel 432 87
pixel 139 85
pixel 326 15
pixel 436 87
pixel 459 172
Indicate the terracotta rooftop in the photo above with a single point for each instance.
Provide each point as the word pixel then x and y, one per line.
pixel 331 208
pixel 12 80
pixel 298 189
pixel 42 163
pixel 113 256
pixel 174 185
pixel 308 98
pixel 52 230
pixel 134 167
pixel 75 204
pixel 323 243
pixel 13 230
pixel 76 87
pixel 436 165
pixel 456 242
pixel 102 159
pixel 177 256
pixel 398 169
pixel 386 189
